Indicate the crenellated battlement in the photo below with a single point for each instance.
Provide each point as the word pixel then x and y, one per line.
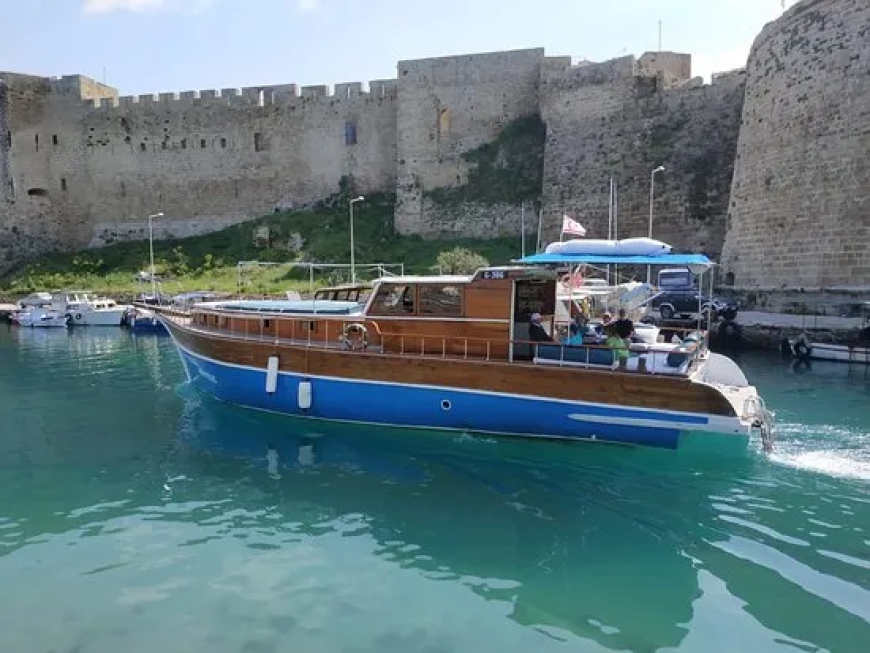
pixel 86 163
pixel 253 96
pixel 672 69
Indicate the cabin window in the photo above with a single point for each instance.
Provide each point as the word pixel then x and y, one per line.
pixel 259 145
pixel 54 139
pixel 267 324
pixel 310 326
pixel 440 300
pixel 394 300
pixel 222 321
pixel 223 142
pixel 63 185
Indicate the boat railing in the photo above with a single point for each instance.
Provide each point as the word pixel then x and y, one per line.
pixel 651 359
pixel 333 335
pixel 642 358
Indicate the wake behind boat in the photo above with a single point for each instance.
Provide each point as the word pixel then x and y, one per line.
pixel 466 353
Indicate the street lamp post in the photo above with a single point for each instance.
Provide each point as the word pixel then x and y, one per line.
pixel 352 248
pixel 151 251
pixel 652 195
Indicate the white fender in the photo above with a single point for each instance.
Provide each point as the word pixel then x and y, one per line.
pixel 272 375
pixel 303 395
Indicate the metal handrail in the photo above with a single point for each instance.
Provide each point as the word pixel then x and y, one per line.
pixel 458 347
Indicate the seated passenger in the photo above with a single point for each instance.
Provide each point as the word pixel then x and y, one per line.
pixel 576 337
pixel 624 326
pixel 617 344
pixel 537 332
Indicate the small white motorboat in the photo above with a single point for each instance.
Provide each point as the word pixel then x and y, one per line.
pixel 40 317
pixel 856 353
pixel 822 351
pixel 87 309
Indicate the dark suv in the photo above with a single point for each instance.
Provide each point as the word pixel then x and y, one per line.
pixel 683 303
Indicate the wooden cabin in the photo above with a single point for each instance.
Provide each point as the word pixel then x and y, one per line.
pixel 485 315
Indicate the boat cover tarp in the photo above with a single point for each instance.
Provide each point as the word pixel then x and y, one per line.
pixel 598 259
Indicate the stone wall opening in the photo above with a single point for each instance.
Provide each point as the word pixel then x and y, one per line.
pixel 350 133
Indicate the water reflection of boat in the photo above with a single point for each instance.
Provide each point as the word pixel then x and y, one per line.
pixel 479 512
pixel 83 343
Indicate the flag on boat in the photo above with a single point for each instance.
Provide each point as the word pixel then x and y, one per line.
pixel 570 226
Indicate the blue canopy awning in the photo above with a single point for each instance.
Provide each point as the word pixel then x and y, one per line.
pixel 598 259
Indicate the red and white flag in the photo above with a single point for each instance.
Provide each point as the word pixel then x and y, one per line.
pixel 570 226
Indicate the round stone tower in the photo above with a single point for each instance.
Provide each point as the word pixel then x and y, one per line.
pixel 800 197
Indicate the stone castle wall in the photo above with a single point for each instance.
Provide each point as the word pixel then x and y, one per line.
pixel 449 106
pixel 465 141
pixel 624 118
pixel 88 167
pixel 800 212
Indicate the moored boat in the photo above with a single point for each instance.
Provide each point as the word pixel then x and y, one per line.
pixel 87 309
pixel 41 317
pixel 460 353
pixel 141 320
pixel 853 353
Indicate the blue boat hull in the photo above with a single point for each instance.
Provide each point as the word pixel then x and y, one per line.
pixel 148 325
pixel 412 406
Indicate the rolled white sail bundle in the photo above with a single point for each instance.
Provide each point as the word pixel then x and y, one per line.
pixel 625 247
pixel 642 247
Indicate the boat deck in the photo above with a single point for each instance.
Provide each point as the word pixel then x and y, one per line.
pixel 659 359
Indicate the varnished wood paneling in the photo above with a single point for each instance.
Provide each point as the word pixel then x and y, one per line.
pixel 491 301
pixel 620 389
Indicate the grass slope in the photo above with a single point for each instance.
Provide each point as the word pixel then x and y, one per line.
pixel 209 262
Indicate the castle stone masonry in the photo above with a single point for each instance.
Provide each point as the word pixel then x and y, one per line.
pixel 775 154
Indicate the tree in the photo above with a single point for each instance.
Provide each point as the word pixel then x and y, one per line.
pixel 460 260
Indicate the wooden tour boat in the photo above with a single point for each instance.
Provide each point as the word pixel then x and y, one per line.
pixel 454 352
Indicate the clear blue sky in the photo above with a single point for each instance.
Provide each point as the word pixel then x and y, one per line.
pixel 149 46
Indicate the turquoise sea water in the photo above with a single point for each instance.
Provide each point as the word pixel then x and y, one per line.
pixel 136 515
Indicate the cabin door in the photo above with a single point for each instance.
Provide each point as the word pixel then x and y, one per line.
pixel 529 296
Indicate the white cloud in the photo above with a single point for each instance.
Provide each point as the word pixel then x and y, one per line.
pixel 109 6
pixel 308 5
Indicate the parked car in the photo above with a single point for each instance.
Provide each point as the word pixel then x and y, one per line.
pixel 683 303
